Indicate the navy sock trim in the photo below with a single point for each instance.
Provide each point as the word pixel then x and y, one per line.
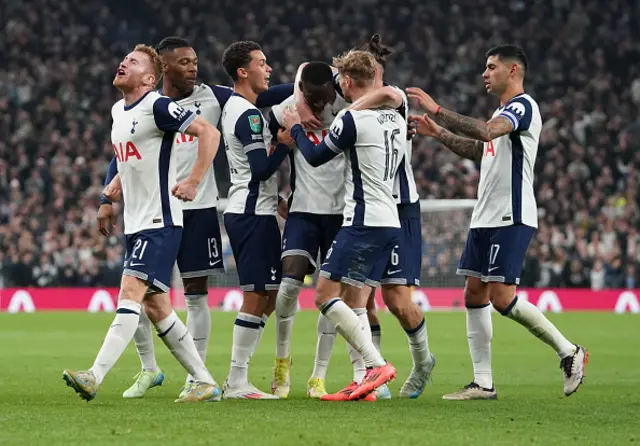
pixel 262 324
pixel 329 304
pixel 126 311
pixel 375 328
pixel 510 307
pixel 163 334
pixel 412 331
pixel 248 324
pixel 203 294
pixel 476 306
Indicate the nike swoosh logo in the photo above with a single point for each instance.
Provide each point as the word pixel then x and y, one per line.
pixel 389 272
pixel 213 263
pixel 135 264
pixel 495 267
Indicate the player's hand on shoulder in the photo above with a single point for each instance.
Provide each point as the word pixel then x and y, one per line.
pixel 307 118
pixel 424 124
pixel 106 219
pixel 185 190
pixel 290 117
pixel 284 137
pixel 423 99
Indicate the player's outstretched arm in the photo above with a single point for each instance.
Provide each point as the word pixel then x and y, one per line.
pixel 465 147
pixel 474 128
pixel 382 97
pixel 274 95
pixel 248 130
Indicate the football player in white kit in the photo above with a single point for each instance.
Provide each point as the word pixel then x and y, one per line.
pixel 402 272
pixel 200 248
pixel 504 218
pixel 316 204
pixel 373 145
pixel 250 217
pixel 142 135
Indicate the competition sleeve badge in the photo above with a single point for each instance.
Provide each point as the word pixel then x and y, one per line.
pixel 255 124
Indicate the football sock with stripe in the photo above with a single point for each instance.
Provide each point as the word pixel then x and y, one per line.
pixel 120 333
pixel 180 343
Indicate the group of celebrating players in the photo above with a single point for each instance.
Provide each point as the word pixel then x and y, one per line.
pixel 353 208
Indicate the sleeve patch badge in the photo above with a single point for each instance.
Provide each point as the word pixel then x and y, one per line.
pixel 255 123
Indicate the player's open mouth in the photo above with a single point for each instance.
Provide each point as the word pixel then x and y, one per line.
pixel 120 72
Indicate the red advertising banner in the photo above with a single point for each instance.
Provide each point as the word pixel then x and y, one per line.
pixel 14 300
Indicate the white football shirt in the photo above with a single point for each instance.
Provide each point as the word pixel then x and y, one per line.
pixel 205 101
pixel 505 192
pixel 404 186
pixel 142 137
pixel 244 130
pixel 373 142
pixel 315 190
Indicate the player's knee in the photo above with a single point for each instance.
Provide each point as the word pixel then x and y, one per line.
pixel 254 302
pixel 195 285
pixel 325 291
pixel 132 288
pixel 295 267
pixel 476 292
pixel 501 295
pixel 157 306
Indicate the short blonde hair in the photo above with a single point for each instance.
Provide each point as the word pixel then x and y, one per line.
pixel 156 61
pixel 359 65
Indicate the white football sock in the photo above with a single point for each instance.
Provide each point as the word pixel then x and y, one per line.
pixel 376 335
pixel 529 316
pixel 246 334
pixel 263 324
pixel 419 344
pixel 199 323
pixel 479 334
pixel 118 337
pixel 180 343
pixel 349 327
pixel 359 369
pixel 326 338
pixel 286 307
pixel 143 338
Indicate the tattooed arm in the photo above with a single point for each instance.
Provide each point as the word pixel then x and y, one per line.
pixel 465 147
pixel 461 146
pixel 474 128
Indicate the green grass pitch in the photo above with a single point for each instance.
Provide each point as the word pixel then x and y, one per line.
pixel 36 408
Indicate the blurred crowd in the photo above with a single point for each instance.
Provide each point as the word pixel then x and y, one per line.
pixel 59 58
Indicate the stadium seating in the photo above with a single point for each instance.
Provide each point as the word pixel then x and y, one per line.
pixel 55 97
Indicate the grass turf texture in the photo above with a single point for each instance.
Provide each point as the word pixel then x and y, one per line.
pixel 37 408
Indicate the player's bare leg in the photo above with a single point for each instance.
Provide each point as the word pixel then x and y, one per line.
pixel 479 334
pixel 294 269
pixel 573 358
pixel 350 327
pixel 246 336
pixel 397 298
pixel 374 321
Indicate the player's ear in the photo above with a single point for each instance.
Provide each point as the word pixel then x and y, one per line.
pixel 242 73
